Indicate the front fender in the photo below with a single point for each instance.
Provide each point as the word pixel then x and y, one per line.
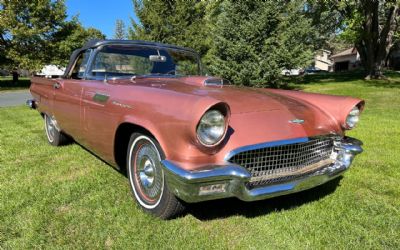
pixel 337 107
pixel 174 127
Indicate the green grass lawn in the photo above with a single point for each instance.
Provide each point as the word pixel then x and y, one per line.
pixel 7 84
pixel 66 197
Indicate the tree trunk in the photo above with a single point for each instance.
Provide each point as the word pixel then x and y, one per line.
pixel 15 76
pixel 376 40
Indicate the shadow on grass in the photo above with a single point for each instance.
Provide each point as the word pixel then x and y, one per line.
pixel 224 208
pixel 7 84
pixel 392 80
pixel 322 78
pixel 387 83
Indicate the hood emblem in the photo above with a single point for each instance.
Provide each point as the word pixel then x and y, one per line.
pixel 297 121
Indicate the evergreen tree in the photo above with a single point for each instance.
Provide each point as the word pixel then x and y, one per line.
pixel 247 42
pixel 180 22
pixel 120 32
pixel 256 40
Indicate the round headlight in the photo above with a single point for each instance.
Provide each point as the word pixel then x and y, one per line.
pixel 211 128
pixel 353 117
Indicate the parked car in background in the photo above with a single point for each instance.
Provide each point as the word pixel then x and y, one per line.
pixel 51 71
pixel 182 137
pixel 313 70
pixel 292 72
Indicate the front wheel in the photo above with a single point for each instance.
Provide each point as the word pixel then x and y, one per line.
pixel 146 178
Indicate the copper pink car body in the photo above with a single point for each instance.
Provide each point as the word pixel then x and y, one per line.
pixel 171 108
pixel 98 113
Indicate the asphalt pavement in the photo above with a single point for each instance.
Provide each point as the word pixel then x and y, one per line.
pixel 14 98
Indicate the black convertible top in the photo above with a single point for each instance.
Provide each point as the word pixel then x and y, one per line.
pixel 97 43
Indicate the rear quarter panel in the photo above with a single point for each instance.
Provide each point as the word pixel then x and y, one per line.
pixel 42 91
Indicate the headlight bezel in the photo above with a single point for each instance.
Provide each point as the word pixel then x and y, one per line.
pixel 223 115
pixel 352 118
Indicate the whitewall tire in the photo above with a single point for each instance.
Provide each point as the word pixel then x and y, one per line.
pixel 146 177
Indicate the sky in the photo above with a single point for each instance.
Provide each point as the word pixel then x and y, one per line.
pixel 101 14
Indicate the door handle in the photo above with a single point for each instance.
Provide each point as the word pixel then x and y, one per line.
pixel 56 85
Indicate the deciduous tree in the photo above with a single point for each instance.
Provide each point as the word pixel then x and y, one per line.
pixel 34 33
pixel 25 28
pixel 72 35
pixel 371 25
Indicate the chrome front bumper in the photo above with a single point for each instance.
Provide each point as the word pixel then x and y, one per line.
pixel 230 180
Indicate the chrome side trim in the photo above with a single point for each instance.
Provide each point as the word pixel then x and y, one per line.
pixel 264 145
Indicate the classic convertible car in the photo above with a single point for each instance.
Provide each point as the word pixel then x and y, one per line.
pixel 182 137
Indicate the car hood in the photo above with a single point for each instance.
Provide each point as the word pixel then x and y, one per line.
pixel 252 108
pixel 240 99
pixel 270 116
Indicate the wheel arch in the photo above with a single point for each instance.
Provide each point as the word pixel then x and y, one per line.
pixel 121 141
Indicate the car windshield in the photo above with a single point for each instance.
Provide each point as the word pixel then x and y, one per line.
pixel 127 61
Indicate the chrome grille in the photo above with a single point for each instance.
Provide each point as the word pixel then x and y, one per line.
pixel 285 162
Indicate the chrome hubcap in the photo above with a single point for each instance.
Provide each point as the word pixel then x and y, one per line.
pixel 148 172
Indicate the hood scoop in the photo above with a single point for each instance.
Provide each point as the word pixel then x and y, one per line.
pixel 216 81
pixel 208 81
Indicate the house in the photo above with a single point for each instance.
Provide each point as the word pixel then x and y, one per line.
pixel 346 60
pixel 393 61
pixel 323 61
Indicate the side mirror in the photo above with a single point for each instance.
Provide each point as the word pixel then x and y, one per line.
pixel 157 58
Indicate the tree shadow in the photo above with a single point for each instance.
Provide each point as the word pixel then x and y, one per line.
pixel 322 78
pixel 391 80
pixel 224 208
pixel 388 83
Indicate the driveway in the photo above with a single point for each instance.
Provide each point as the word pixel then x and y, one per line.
pixel 14 98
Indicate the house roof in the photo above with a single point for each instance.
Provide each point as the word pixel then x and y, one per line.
pixel 347 52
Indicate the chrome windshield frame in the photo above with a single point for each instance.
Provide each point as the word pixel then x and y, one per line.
pixel 98 49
